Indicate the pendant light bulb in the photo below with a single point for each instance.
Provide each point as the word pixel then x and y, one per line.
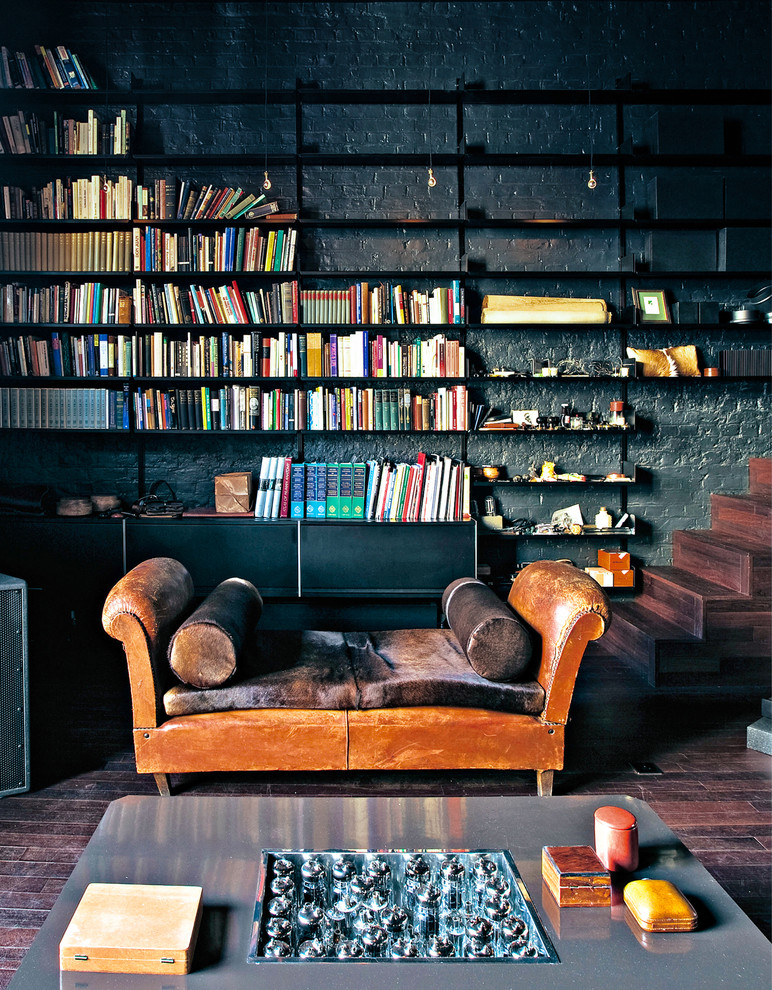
pixel 432 182
pixel 592 181
pixel 266 181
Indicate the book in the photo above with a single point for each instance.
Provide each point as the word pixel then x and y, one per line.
pixel 346 490
pixel 320 502
pixel 358 490
pixel 262 486
pixel 297 491
pixel 332 492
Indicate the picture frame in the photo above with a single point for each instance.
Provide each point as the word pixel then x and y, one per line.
pixel 651 306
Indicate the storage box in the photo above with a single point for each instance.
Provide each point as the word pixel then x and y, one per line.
pixel 133 928
pixel 604 577
pixel 623 579
pixel 575 876
pixel 681 250
pixel 614 560
pixel 686 130
pixel 233 492
pixel 687 195
pixel 744 249
pixel 659 906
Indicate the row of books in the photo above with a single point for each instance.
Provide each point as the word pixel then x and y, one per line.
pixel 242 249
pixel 749 363
pixel 170 199
pixel 434 488
pixel 66 251
pixel 97 197
pixel 72 302
pixel 198 304
pixel 63 409
pixel 212 202
pixel 28 134
pixel 223 355
pixel 47 68
pixel 343 409
pixel 384 303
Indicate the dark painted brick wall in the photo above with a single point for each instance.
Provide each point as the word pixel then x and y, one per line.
pixel 696 438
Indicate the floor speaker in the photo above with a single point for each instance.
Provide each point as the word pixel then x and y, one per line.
pixel 14 687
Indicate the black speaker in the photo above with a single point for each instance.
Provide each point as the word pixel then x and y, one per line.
pixel 14 687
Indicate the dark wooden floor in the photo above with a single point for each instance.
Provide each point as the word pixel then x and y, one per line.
pixel 713 792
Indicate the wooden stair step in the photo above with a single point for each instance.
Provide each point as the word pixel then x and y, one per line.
pixel 760 475
pixel 638 635
pixel 734 561
pixel 686 598
pixel 746 514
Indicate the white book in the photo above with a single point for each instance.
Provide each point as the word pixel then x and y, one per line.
pixel 262 486
pixel 277 487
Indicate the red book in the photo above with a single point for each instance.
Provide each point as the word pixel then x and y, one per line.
pixel 236 295
pixel 285 489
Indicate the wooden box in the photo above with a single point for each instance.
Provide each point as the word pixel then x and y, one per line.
pixel 575 876
pixel 133 928
pixel 614 560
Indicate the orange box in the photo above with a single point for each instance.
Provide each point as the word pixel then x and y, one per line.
pixel 624 579
pixel 614 560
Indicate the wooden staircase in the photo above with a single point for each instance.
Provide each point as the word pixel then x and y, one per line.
pixel 706 619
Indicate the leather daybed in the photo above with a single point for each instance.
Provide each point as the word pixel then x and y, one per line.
pixel 395 700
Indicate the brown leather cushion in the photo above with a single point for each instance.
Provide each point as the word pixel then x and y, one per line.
pixel 206 648
pixel 497 643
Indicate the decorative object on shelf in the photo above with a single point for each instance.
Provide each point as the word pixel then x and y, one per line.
pixel 233 491
pixel 667 362
pixel 74 505
pixel 155 505
pixel 543 309
pixel 103 505
pixel 651 305
pixel 563 519
pixel 603 519
pixel 491 472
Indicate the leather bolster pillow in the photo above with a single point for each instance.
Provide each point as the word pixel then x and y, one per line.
pixel 205 649
pixel 496 642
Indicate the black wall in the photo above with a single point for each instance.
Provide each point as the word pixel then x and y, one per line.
pixel 698 436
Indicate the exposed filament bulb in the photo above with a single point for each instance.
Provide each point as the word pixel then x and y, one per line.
pixel 592 181
pixel 266 181
pixel 431 182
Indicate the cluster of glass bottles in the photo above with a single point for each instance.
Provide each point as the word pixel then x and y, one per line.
pixel 395 905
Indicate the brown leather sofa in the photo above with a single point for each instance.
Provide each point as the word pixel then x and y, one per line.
pixel 561 605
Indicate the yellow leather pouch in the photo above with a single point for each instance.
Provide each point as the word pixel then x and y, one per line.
pixel 659 906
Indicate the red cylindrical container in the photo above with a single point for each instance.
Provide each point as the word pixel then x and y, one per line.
pixel 616 838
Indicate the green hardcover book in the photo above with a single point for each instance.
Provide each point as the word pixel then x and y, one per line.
pixel 378 411
pixel 333 491
pixel 393 409
pixel 346 491
pixel 358 490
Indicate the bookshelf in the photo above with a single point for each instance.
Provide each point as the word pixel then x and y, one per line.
pixel 488 228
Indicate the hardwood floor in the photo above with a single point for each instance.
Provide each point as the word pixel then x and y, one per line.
pixel 713 792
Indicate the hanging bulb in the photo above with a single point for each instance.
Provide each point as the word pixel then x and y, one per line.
pixel 432 182
pixel 266 181
pixel 592 181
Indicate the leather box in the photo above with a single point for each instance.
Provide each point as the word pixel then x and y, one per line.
pixel 133 928
pixel 614 560
pixel 575 876
pixel 233 492
pixel 659 906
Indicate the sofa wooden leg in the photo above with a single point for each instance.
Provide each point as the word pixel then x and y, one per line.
pixel 164 784
pixel 544 780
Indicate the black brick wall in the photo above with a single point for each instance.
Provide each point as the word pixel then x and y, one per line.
pixel 697 437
